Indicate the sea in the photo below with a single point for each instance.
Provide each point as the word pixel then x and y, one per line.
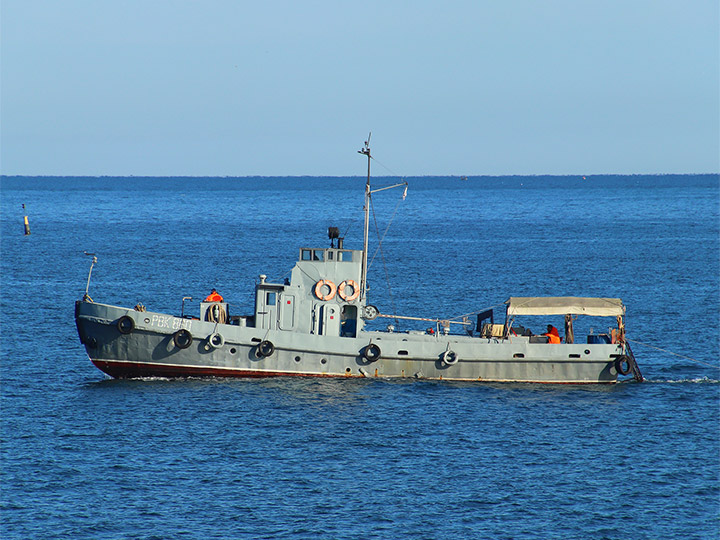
pixel 84 456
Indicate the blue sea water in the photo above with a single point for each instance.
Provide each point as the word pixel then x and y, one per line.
pixel 84 456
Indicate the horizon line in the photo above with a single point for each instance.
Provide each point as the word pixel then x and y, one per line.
pixel 467 176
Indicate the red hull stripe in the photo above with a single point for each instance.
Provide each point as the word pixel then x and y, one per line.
pixel 131 370
pixel 136 370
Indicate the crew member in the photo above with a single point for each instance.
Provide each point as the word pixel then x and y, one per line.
pixel 552 334
pixel 214 297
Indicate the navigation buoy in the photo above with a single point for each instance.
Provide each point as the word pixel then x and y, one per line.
pixel 27 224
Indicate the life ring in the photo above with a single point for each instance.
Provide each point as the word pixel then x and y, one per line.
pixel 216 340
pixel 619 367
pixel 450 358
pixel 182 338
pixel 319 290
pixel 265 348
pixel 126 324
pixel 355 288
pixel 372 352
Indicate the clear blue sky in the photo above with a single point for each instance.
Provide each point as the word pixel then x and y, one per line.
pixel 232 87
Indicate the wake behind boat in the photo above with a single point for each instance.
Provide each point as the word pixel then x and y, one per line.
pixel 314 325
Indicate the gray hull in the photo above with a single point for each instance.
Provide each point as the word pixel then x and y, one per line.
pixel 313 324
pixel 149 349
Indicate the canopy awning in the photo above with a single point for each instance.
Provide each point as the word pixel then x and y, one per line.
pixel 565 305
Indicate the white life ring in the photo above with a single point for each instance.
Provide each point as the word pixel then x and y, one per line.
pixel 344 295
pixel 319 290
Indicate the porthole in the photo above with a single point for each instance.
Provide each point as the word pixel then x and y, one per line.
pixel 323 361
pixel 402 353
pixel 347 370
pixel 233 350
pixel 297 358
pixel 147 321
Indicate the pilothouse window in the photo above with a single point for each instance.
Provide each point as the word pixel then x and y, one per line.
pixel 306 254
pixel 348 321
pixel 270 299
pixel 345 256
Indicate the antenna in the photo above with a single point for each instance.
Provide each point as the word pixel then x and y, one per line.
pixel 363 271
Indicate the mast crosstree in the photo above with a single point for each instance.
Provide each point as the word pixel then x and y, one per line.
pixel 366 231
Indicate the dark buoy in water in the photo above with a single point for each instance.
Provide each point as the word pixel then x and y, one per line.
pixel 27 225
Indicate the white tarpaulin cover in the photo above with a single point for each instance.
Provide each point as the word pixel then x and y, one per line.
pixel 565 305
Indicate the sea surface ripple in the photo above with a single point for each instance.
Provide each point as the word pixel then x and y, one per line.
pixel 87 457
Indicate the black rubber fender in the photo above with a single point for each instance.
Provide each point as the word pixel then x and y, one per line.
pixel 126 324
pixel 182 338
pixel 372 352
pixel 265 348
pixel 623 365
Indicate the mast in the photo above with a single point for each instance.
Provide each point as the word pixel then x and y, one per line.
pixel 366 208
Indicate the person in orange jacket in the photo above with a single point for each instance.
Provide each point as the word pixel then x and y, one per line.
pixel 214 297
pixel 552 334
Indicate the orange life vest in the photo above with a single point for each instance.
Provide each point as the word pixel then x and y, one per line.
pixel 214 297
pixel 553 336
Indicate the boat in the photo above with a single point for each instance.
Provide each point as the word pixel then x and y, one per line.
pixel 320 323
